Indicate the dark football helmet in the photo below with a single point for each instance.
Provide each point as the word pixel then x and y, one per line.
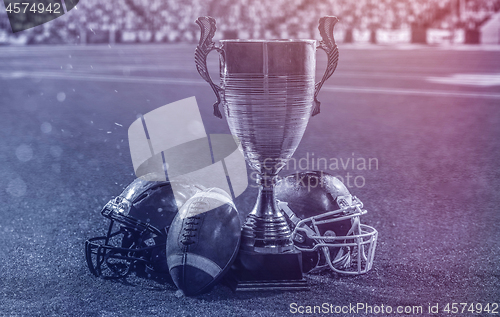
pixel 325 219
pixel 139 221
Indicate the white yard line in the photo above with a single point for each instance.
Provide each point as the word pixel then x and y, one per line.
pixel 6 75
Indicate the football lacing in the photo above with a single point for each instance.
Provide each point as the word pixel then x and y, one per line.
pixel 189 230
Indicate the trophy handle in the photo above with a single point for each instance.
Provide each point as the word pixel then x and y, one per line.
pixel 205 46
pixel 327 44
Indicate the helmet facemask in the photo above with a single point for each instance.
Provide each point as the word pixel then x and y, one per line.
pixel 129 243
pixel 344 244
pixel 140 218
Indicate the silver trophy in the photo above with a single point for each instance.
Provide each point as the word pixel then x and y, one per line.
pixel 267 93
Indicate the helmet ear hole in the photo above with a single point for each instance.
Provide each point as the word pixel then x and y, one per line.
pixel 330 233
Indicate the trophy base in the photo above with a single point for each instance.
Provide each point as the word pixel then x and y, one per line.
pixel 255 271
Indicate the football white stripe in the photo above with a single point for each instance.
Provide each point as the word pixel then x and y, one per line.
pixel 217 194
pixel 205 201
pixel 200 262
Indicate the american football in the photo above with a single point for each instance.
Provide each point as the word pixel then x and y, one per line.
pixel 203 241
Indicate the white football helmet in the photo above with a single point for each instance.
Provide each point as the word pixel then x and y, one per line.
pixel 325 219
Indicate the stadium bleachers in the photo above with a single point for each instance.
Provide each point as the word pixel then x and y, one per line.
pixel 172 20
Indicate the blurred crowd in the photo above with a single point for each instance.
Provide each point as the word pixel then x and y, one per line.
pixel 173 20
pixel 477 12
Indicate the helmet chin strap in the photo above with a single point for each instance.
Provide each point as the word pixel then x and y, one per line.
pixel 342 259
pixel 355 225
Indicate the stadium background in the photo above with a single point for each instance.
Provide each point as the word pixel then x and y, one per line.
pixel 95 21
pixel 428 114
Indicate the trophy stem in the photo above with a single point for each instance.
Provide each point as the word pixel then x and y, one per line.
pixel 265 229
pixel 267 259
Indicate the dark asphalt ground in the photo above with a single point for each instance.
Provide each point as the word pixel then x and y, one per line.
pixel 434 196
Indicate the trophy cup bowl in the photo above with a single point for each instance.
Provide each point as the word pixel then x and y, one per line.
pixel 268 93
